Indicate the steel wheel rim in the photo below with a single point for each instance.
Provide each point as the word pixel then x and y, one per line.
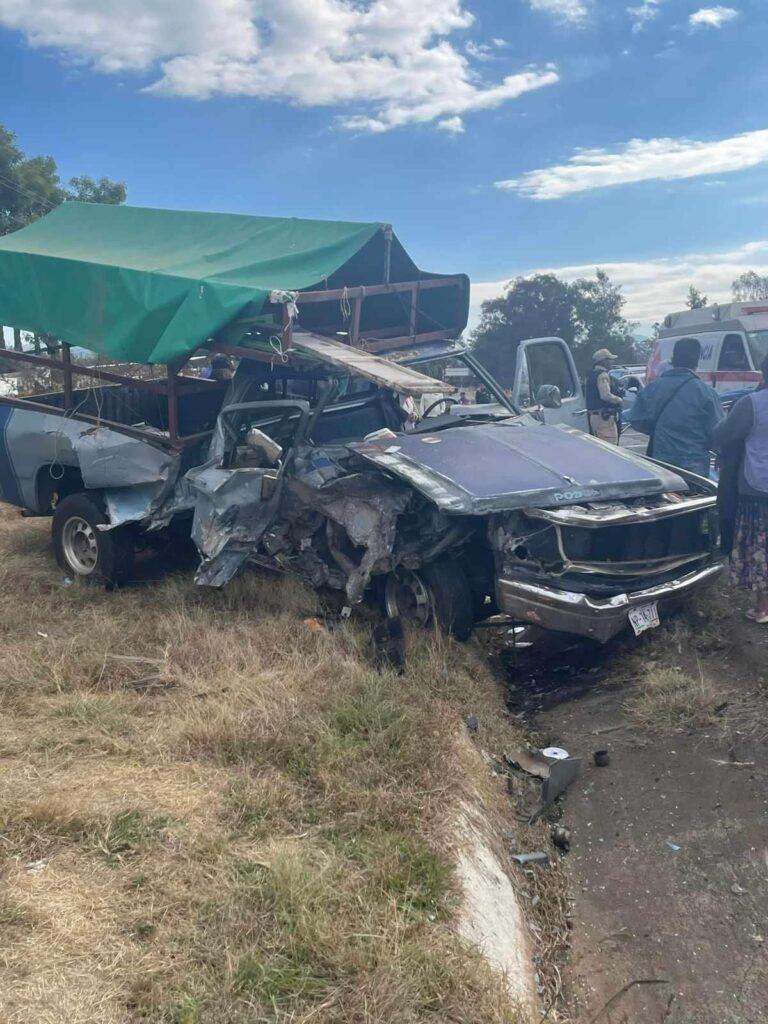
pixel 407 596
pixel 80 545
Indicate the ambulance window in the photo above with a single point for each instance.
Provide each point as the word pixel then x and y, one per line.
pixel 758 346
pixel 732 354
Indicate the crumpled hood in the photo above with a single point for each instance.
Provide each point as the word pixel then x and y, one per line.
pixel 516 464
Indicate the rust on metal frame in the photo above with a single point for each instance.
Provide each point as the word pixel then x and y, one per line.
pixel 169 386
pixel 287 333
pixel 141 434
pixel 84 371
pixel 364 291
pixel 66 358
pixel 404 340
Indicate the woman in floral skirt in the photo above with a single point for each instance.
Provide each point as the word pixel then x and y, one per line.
pixel 743 441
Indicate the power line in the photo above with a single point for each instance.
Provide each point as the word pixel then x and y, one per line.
pixel 27 193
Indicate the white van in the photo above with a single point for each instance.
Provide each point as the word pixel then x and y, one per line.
pixel 733 337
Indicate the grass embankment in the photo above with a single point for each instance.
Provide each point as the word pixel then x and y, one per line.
pixel 213 813
pixel 676 687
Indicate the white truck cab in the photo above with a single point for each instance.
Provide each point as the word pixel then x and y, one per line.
pixel 542 363
pixel 733 338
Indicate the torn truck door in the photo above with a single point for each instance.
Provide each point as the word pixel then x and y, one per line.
pixel 238 490
pixel 548 362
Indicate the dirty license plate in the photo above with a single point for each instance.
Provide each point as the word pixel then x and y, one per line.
pixel 645 616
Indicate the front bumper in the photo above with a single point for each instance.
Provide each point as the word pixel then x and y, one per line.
pixel 569 612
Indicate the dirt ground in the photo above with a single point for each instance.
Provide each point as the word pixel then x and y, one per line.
pixel 668 868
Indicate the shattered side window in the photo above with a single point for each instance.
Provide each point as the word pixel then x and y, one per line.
pixel 354 387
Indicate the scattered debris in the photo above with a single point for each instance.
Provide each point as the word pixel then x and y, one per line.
pixel 539 857
pixel 561 775
pixel 561 837
pixel 601 758
pixel 555 753
pixel 673 846
pixel 622 991
pixel 556 773
pixel 36 866
pixel 738 890
pixel 471 723
pixel 733 764
pixel 43 635
pixel 531 763
pixel 389 645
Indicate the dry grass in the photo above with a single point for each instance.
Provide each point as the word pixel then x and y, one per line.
pixel 669 699
pixel 211 813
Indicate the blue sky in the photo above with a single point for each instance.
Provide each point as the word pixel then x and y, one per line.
pixel 459 121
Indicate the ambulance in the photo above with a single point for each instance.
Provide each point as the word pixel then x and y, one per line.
pixel 734 342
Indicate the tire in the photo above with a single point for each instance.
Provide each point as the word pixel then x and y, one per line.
pixel 99 557
pixel 437 593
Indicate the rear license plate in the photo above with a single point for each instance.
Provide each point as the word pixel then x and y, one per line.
pixel 645 616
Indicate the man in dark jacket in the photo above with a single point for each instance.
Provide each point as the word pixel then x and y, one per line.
pixel 679 412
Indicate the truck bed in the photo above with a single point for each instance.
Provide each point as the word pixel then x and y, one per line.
pixel 137 407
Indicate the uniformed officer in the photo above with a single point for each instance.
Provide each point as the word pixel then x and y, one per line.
pixel 603 405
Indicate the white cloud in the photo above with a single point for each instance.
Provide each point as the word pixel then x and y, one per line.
pixel 656 287
pixel 712 17
pixel 454 125
pixel 642 160
pixel 574 11
pixel 643 13
pixel 480 51
pixel 392 59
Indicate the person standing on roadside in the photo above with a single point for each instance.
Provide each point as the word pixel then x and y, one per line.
pixel 679 412
pixel 742 441
pixel 603 406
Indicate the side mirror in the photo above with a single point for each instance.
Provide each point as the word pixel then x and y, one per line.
pixel 549 396
pixel 257 439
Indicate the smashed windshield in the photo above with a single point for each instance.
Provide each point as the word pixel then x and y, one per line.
pixel 467 384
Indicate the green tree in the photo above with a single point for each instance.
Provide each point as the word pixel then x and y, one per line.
pixel 586 314
pixel 695 299
pixel 30 186
pixel 86 190
pixel 750 286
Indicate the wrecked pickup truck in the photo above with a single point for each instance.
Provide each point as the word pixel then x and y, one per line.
pixel 329 453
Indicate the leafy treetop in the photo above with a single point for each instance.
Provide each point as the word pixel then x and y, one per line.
pixel 30 186
pixel 586 314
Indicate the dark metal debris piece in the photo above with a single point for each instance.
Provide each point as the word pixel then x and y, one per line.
pixel 601 758
pixel 539 857
pixel 389 645
pixel 561 775
pixel 561 837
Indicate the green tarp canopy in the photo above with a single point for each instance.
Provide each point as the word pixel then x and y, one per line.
pixel 150 286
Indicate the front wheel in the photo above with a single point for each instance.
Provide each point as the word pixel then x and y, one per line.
pixel 437 593
pixel 83 550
